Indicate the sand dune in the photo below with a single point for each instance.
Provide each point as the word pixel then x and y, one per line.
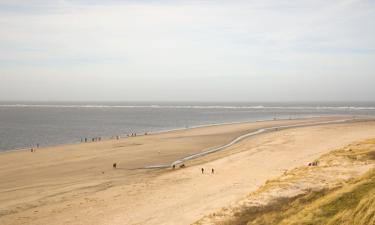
pixel 76 184
pixel 299 195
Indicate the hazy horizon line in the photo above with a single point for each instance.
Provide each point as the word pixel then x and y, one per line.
pixel 195 101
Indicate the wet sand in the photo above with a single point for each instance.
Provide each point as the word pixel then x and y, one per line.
pixel 76 184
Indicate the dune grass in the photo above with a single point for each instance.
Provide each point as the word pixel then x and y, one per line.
pixel 350 204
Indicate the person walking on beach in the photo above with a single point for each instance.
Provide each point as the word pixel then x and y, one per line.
pixel 202 171
pixel 212 171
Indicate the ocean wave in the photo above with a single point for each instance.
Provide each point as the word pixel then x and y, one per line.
pixel 259 107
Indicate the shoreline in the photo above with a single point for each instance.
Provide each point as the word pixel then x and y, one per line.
pixel 185 128
pixel 158 132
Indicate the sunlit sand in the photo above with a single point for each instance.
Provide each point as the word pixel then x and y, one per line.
pixel 77 184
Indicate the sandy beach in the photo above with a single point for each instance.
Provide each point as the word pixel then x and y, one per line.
pixel 76 184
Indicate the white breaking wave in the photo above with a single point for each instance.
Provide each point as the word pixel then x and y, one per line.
pixel 259 107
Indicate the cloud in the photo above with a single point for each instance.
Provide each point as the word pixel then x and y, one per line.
pixel 256 44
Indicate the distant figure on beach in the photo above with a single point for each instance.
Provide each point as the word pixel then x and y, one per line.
pixel 37 145
pixel 202 171
pixel 174 166
pixel 182 166
pixel 212 171
pixel 32 150
pixel 114 165
pixel 85 139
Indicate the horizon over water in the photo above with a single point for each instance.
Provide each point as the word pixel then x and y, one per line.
pixel 25 124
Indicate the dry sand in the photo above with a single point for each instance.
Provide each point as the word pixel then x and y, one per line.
pixel 75 184
pixel 335 169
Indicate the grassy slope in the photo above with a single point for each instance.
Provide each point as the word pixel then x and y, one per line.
pixel 352 204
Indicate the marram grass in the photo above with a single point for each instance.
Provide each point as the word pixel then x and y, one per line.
pixel 350 204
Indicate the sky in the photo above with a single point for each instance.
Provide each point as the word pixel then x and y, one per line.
pixel 255 50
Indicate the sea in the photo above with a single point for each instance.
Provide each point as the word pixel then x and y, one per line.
pixel 27 124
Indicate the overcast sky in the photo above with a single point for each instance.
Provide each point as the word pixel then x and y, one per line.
pixel 187 50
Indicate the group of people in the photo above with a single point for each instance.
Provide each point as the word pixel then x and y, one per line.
pixel 181 166
pixel 202 169
pixel 117 137
pixel 34 149
pixel 94 139
pixel 135 134
pixel 212 170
